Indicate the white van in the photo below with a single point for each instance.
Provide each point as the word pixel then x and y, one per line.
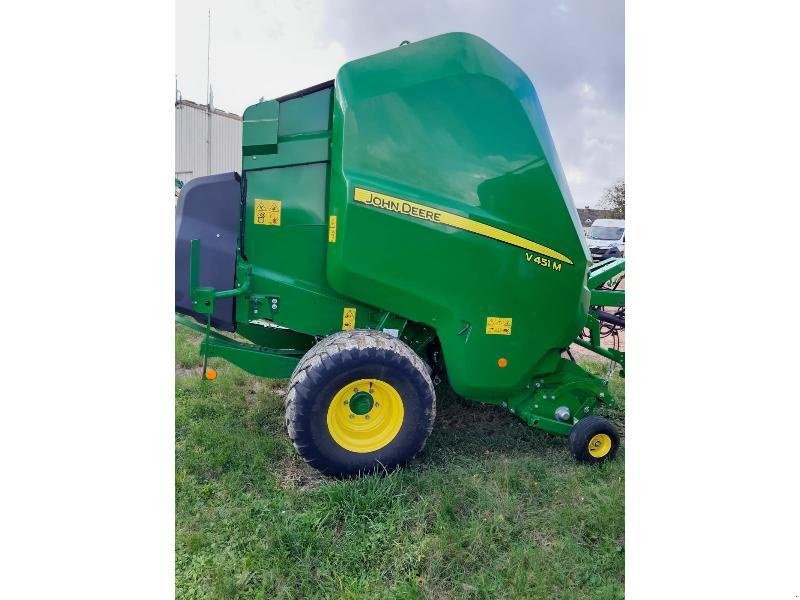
pixel 606 238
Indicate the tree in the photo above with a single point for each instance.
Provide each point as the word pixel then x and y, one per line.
pixel 614 199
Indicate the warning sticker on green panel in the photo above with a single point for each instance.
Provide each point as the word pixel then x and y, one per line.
pixel 267 212
pixel 348 319
pixel 498 326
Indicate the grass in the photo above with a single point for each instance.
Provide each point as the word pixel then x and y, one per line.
pixel 490 509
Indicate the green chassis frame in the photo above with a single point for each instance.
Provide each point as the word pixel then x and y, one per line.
pixel 569 385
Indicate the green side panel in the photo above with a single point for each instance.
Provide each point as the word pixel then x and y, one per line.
pixel 289 284
pixel 302 132
pixel 306 114
pixel 452 124
pixel 260 129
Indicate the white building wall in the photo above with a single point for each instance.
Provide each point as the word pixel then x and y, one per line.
pixel 206 143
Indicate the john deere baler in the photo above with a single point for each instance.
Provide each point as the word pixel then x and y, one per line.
pixel 405 224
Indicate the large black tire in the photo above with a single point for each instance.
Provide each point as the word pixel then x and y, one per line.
pixel 588 439
pixel 328 369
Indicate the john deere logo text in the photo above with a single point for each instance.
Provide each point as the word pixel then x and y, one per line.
pixel 419 211
pixel 401 206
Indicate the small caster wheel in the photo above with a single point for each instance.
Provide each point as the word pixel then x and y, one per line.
pixel 593 439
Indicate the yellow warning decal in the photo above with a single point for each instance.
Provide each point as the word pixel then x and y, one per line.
pixel 348 318
pixel 267 212
pixel 498 326
pixel 435 215
pixel 332 228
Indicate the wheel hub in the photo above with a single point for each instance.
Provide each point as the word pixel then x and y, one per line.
pixel 599 445
pixel 361 403
pixel 365 415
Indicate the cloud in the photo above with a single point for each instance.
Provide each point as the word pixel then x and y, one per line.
pixel 258 48
pixel 586 91
pixel 574 173
pixel 574 54
pixel 572 51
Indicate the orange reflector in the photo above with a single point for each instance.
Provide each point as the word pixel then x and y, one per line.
pixel 211 374
pixel 502 363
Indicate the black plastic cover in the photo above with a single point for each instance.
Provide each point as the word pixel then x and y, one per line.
pixel 208 210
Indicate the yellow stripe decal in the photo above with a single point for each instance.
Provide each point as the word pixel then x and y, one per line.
pixel 435 215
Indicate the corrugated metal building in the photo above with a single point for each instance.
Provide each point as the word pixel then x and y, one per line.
pixel 207 142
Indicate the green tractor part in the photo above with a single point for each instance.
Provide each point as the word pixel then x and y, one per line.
pixel 405 225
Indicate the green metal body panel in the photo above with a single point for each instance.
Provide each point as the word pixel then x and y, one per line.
pixel 289 259
pixel 453 222
pixel 568 385
pixel 452 124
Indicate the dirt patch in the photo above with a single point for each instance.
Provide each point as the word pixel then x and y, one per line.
pixel 457 413
pixel 188 372
pixel 294 474
pixel 487 420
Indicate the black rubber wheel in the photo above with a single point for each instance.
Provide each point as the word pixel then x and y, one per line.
pixel 360 401
pixel 593 439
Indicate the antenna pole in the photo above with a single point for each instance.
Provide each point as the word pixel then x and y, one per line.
pixel 208 62
pixel 208 98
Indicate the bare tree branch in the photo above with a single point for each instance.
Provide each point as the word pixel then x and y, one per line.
pixel 614 199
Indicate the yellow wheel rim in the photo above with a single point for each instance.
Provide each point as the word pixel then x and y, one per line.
pixel 600 445
pixel 365 415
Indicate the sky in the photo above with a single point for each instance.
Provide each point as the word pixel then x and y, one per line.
pixel 572 50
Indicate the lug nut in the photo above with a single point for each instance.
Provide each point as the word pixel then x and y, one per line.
pixel 352 416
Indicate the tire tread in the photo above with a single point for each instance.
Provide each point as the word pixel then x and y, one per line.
pixel 329 349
